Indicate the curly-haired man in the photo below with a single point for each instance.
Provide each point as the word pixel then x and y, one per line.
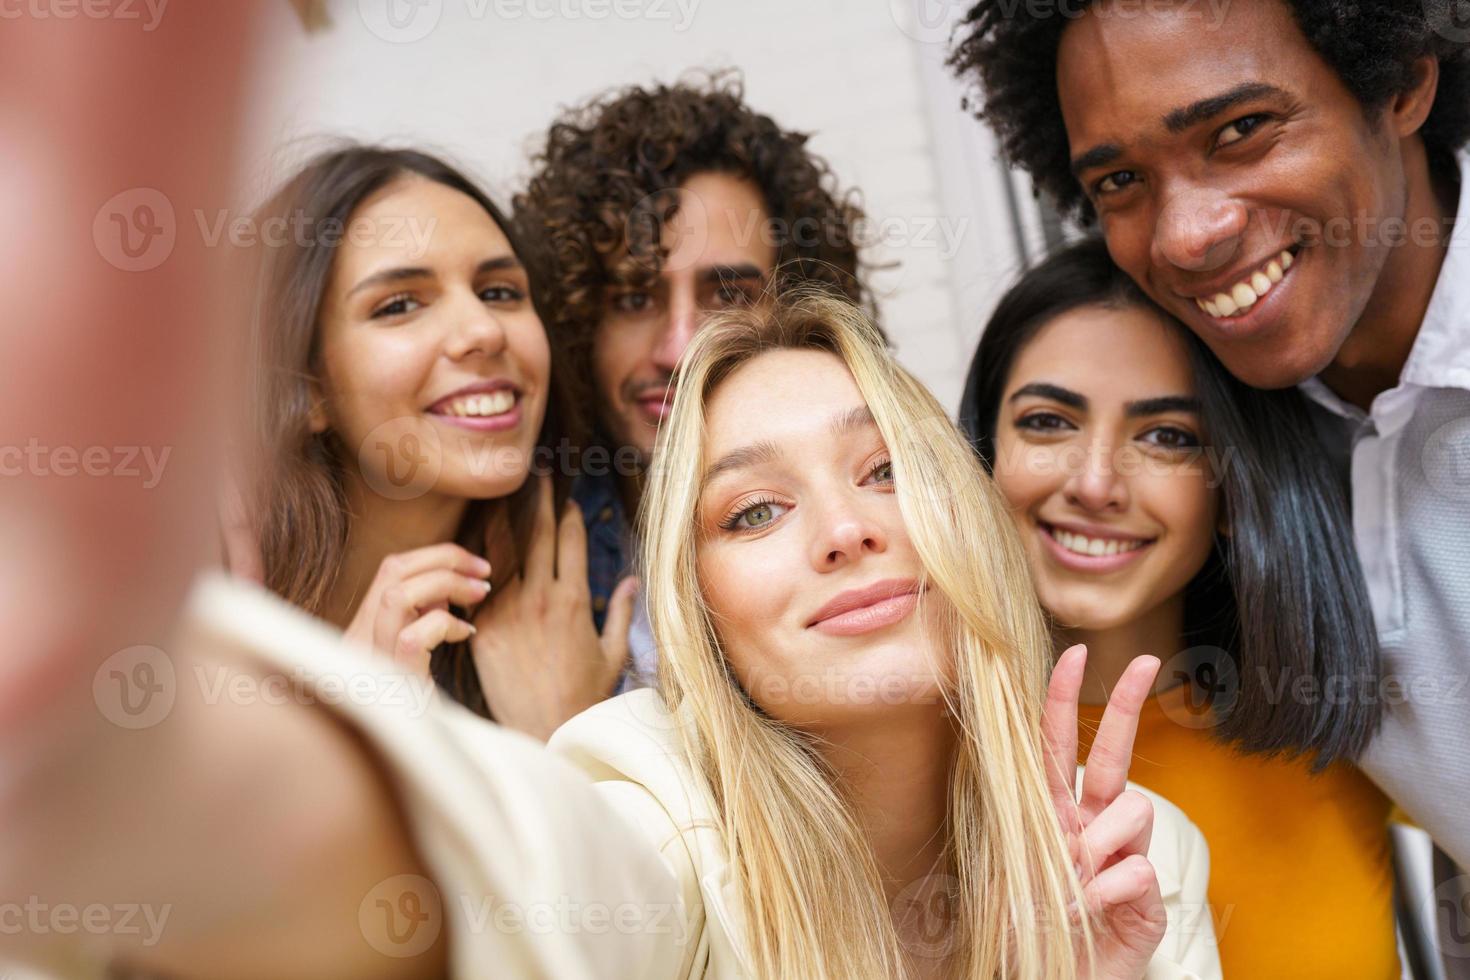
pixel 1287 179
pixel 655 207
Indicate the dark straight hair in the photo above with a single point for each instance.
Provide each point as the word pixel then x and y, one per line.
pixel 1282 595
pixel 300 504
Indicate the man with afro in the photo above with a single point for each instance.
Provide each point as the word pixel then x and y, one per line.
pixel 655 207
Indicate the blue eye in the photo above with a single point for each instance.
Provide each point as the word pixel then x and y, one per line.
pixel 882 472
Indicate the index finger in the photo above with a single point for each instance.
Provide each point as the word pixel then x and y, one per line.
pixel 1106 773
pixel 1059 728
pixel 541 555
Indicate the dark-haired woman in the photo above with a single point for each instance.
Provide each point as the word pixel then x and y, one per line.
pixel 405 386
pixel 1168 509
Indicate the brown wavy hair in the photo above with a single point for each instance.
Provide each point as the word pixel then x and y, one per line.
pixel 607 179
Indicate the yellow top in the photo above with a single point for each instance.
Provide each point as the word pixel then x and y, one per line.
pixel 1301 875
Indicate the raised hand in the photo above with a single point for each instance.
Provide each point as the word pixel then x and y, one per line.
pixel 536 649
pixel 405 613
pixel 1109 827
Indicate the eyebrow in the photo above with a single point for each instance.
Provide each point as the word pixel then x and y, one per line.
pixel 731 273
pixel 1178 120
pixel 1197 112
pixel 763 452
pixel 406 273
pixel 1134 409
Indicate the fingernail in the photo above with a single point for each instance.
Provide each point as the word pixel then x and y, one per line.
pixel 483 585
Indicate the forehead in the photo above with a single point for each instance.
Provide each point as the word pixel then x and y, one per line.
pixel 1107 355
pixel 776 397
pixel 1121 67
pixel 721 220
pixel 415 221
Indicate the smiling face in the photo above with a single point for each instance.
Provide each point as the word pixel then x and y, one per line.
pixel 1236 178
pixel 804 560
pixel 1097 451
pixel 718 257
pixel 434 354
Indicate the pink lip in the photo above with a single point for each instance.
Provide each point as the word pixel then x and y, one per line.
pixel 860 611
pixel 1088 563
pixel 656 407
pixel 1266 311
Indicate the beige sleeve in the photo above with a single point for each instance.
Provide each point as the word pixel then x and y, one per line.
pixel 534 874
pixel 1189 951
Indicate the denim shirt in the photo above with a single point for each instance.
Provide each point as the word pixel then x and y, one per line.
pixel 610 550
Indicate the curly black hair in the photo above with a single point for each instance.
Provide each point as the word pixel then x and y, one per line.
pixel 1009 51
pixel 607 180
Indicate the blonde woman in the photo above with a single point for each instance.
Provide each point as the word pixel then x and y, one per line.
pixel 850 771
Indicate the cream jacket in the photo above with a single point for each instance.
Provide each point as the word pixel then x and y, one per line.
pixel 599 859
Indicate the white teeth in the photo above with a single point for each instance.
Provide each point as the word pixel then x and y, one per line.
pixel 1244 295
pixel 482 406
pixel 1093 547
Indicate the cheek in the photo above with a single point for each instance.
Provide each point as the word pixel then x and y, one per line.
pixel 747 592
pixel 369 381
pixel 1026 475
pixel 1188 508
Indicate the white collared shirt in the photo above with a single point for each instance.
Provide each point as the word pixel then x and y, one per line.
pixel 1409 459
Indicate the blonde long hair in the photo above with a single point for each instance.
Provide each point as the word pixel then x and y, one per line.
pixel 813 899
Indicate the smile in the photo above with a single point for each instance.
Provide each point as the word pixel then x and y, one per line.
pixel 1240 298
pixel 486 406
pixel 1091 552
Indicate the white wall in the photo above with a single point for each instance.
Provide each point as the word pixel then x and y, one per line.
pixel 478 80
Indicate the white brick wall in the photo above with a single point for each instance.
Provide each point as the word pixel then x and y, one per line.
pixel 478 80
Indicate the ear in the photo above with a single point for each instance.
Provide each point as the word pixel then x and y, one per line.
pixel 1411 107
pixel 316 417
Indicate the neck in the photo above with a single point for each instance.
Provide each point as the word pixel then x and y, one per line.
pixel 1372 358
pixel 1159 632
pixel 896 776
pixel 379 527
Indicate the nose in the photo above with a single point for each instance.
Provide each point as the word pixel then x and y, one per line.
pixel 1096 485
pixel 1199 230
pixel 845 532
pixel 476 330
pixel 678 330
